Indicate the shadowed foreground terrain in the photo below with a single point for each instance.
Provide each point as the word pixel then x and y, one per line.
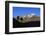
pixel 17 24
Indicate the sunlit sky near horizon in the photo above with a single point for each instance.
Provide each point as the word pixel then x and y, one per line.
pixel 21 11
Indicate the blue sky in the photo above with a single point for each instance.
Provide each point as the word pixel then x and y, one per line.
pixel 21 11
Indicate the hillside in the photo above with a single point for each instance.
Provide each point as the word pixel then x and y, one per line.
pixel 27 21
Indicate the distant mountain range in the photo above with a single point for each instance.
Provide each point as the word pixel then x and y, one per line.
pixel 28 18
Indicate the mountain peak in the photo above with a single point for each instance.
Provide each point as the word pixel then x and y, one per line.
pixel 29 15
pixel 32 14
